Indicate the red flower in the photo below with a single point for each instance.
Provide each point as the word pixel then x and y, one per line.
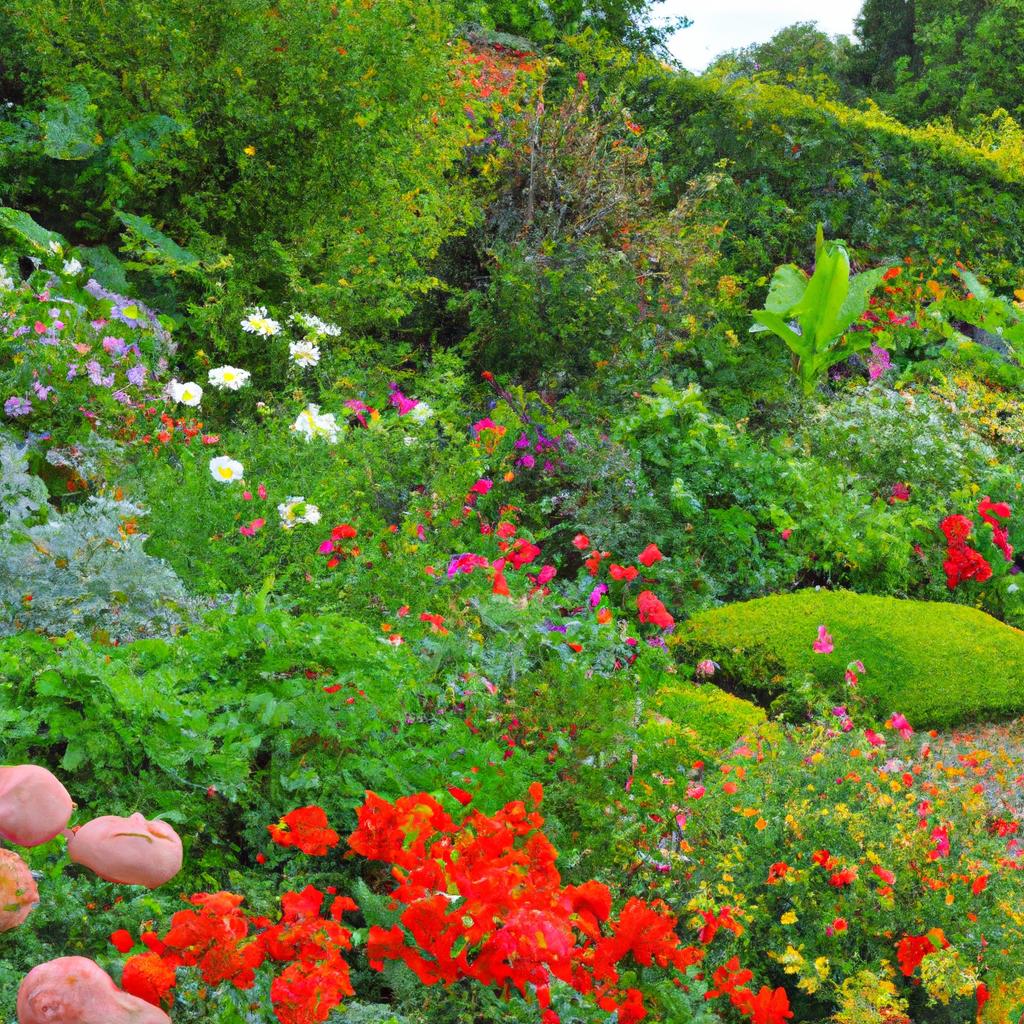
pixel 461 795
pixel 651 610
pixel 884 874
pixel 910 951
pixel 581 541
pixel 150 978
pixel 306 829
pixel 121 940
pixel 623 572
pixel 649 556
pixel 842 878
pixel 768 1006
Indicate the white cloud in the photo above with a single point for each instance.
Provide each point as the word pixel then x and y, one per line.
pixel 720 25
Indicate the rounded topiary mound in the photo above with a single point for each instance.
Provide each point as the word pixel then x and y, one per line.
pixel 939 664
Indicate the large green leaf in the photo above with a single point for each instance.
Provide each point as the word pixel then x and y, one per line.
pixel 773 322
pixel 157 242
pixel 856 302
pixel 106 267
pixel 25 229
pixel 786 289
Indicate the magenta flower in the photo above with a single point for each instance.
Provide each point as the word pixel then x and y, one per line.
pixel 823 645
pixel 901 725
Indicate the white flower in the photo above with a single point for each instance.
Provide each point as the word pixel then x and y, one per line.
pixel 304 353
pixel 297 510
pixel 226 469
pixel 409 440
pixel 6 281
pixel 315 325
pixel 257 322
pixel 313 423
pixel 72 267
pixel 228 378
pixel 420 413
pixel 189 393
pixel 56 247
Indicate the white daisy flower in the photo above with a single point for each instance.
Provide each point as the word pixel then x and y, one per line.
pixel 258 322
pixel 420 413
pixel 315 325
pixel 296 510
pixel 188 393
pixel 226 469
pixel 6 281
pixel 304 353
pixel 313 423
pixel 228 378
pixel 72 267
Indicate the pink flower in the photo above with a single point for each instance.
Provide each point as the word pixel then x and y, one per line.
pixel 901 725
pixel 705 668
pixel 786 534
pixel 940 835
pixel 400 402
pixel 253 528
pixel 823 645
pixel 899 492
pixel 695 791
pixel 326 548
pixel 873 738
pixel 262 492
pixel 482 486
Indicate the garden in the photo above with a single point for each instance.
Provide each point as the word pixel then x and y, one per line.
pixel 495 527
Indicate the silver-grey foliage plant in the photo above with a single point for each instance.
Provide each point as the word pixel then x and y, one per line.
pixel 84 570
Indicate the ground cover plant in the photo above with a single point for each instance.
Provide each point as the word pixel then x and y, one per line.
pixel 495 527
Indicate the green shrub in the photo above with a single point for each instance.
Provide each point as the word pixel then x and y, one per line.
pixel 297 145
pixel 939 664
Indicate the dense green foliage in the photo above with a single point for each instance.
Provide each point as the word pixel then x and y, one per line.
pixel 380 412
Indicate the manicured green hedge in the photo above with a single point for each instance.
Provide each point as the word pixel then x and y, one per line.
pixel 939 664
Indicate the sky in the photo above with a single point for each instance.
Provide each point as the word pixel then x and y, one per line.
pixel 728 24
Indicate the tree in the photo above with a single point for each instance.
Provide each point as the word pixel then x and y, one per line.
pixel 544 23
pixel 885 34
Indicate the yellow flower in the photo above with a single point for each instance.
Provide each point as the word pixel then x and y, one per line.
pixel 788 918
pixel 249 151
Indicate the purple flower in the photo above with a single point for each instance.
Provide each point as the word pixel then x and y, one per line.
pixel 95 371
pixel 41 390
pixel 17 406
pixel 115 346
pixel 878 362
pixel 527 460
pixel 72 371
pixel 522 442
pixel 595 594
pixel 137 375
pixel 121 396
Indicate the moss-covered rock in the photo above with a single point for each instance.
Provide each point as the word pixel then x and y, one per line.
pixel 939 664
